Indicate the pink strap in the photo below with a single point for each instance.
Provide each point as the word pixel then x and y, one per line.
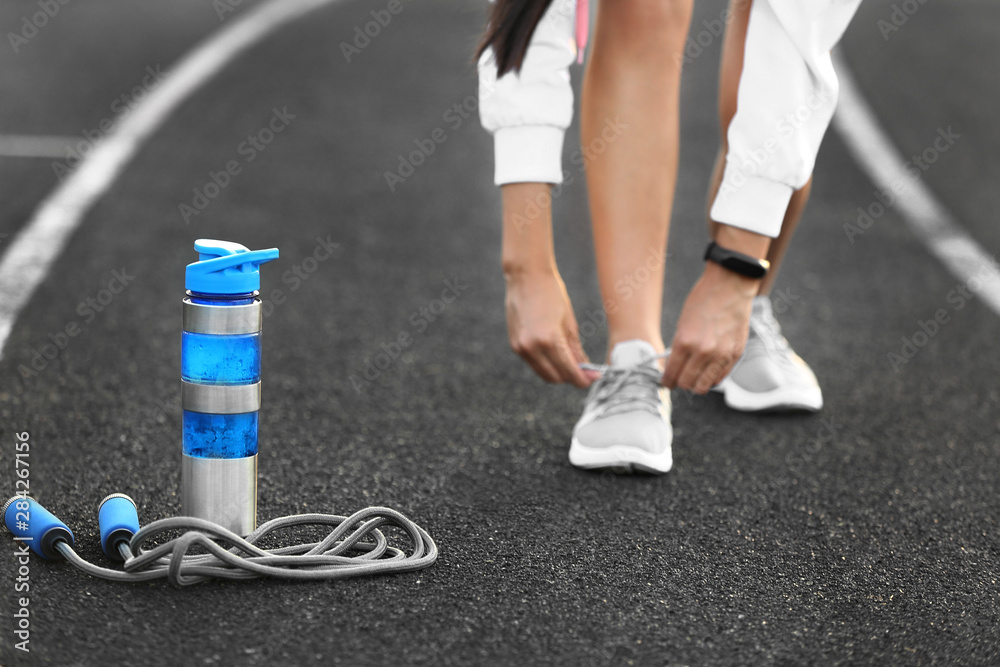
pixel 582 27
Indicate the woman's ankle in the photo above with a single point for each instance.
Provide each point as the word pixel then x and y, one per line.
pixel 654 339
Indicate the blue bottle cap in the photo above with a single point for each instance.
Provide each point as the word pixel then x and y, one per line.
pixel 224 267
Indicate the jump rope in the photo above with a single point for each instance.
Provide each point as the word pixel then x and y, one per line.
pixel 354 547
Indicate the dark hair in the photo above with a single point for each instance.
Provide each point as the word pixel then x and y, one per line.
pixel 511 25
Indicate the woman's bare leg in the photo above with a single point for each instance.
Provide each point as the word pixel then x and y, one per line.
pixel 729 81
pixel 630 136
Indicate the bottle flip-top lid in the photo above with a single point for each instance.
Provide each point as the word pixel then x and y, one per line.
pixel 224 267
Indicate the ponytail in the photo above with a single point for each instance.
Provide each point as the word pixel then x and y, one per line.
pixel 509 31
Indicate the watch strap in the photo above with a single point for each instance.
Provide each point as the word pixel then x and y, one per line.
pixel 737 262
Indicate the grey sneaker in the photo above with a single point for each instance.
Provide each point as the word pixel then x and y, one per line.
pixel 626 417
pixel 769 375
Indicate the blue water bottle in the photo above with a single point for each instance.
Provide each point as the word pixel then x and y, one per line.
pixel 220 382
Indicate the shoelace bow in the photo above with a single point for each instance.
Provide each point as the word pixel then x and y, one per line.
pixel 608 389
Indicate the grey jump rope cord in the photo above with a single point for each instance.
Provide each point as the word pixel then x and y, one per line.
pixel 312 561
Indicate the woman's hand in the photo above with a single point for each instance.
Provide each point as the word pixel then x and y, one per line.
pixel 540 320
pixel 714 323
pixel 712 330
pixel 542 328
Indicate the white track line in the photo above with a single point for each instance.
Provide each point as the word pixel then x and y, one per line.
pixel 27 259
pixel 23 145
pixel 932 223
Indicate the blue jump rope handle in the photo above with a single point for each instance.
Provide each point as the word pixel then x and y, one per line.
pixel 118 520
pixel 35 526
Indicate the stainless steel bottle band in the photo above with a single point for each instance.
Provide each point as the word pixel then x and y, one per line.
pixel 221 490
pixel 202 318
pixel 217 399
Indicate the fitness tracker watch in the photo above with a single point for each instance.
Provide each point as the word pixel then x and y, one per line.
pixel 737 262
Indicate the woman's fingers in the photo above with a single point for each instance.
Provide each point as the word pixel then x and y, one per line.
pixel 696 368
pixel 692 364
pixel 543 330
pixel 569 357
pixel 675 365
pixel 691 372
pixel 542 367
pixel 711 332
pixel 713 373
pixel 532 350
pixel 554 358
pixel 575 355
pixel 557 355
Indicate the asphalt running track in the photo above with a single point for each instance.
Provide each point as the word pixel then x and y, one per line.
pixel 864 534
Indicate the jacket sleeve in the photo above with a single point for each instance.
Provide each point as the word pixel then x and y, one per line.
pixel 786 99
pixel 528 112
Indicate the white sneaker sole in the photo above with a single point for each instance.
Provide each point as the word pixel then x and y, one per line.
pixel 619 457
pixel 782 398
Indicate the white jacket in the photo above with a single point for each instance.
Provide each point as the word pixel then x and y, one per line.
pixel 787 96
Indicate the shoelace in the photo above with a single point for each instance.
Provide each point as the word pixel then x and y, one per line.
pixel 768 330
pixel 609 396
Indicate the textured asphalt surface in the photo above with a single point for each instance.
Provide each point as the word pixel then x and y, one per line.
pixel 864 534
